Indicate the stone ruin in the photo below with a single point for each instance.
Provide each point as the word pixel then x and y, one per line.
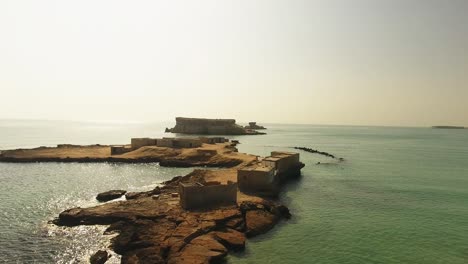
pixel 182 142
pixel 208 194
pixel 205 126
pixel 265 177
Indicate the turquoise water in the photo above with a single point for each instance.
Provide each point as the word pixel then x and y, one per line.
pixel 401 196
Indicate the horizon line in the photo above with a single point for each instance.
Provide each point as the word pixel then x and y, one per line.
pixel 246 122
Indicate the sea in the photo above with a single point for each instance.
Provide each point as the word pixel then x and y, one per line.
pixel 399 196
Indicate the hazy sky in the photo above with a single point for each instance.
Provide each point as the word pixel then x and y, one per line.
pixel 354 62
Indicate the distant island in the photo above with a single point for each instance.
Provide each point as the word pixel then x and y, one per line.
pixel 253 125
pixel 205 126
pixel 448 127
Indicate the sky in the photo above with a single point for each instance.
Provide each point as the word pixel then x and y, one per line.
pixel 360 62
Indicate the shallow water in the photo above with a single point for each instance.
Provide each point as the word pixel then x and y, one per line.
pixel 400 196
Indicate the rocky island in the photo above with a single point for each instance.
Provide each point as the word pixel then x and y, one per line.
pixel 204 126
pixel 169 152
pixel 253 125
pixel 448 127
pixel 196 218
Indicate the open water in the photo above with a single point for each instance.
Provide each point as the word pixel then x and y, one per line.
pixel 400 196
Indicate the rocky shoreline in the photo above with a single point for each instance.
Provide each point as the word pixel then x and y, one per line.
pixel 153 228
pixel 223 155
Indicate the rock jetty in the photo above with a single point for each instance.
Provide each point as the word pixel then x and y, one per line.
pixel 204 126
pixel 448 127
pixel 326 154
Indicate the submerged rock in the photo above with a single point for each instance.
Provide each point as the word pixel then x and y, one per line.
pixel 110 195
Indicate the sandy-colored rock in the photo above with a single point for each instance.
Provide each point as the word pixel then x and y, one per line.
pixel 259 221
pixel 110 195
pixel 148 255
pixel 230 238
pixel 201 250
pixel 152 227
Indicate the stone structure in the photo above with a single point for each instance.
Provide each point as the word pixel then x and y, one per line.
pixel 166 142
pixel 203 126
pixel 142 142
pixel 266 176
pixel 208 194
pixel 256 178
pixel 213 140
pixel 179 142
pixel 118 150
pixel 253 125
pixel 281 161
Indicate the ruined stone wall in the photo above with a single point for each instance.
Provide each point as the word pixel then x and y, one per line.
pixel 164 142
pixel 287 162
pixel 204 126
pixel 213 140
pixel 192 197
pixel 187 143
pixel 118 150
pixel 255 179
pixel 269 163
pixel 141 142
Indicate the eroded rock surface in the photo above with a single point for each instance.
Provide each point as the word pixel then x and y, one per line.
pixel 157 230
pixel 110 195
pixel 99 257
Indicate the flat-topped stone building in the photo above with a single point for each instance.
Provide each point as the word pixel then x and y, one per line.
pixel 179 142
pixel 266 176
pixel 208 194
pixel 281 161
pixel 205 126
pixel 142 142
pixel 256 178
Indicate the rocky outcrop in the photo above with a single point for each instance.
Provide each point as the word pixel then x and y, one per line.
pixel 155 229
pixel 100 257
pixel 172 235
pixel 136 195
pixel 203 126
pixel 253 125
pixel 110 195
pixel 223 155
pixel 152 227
